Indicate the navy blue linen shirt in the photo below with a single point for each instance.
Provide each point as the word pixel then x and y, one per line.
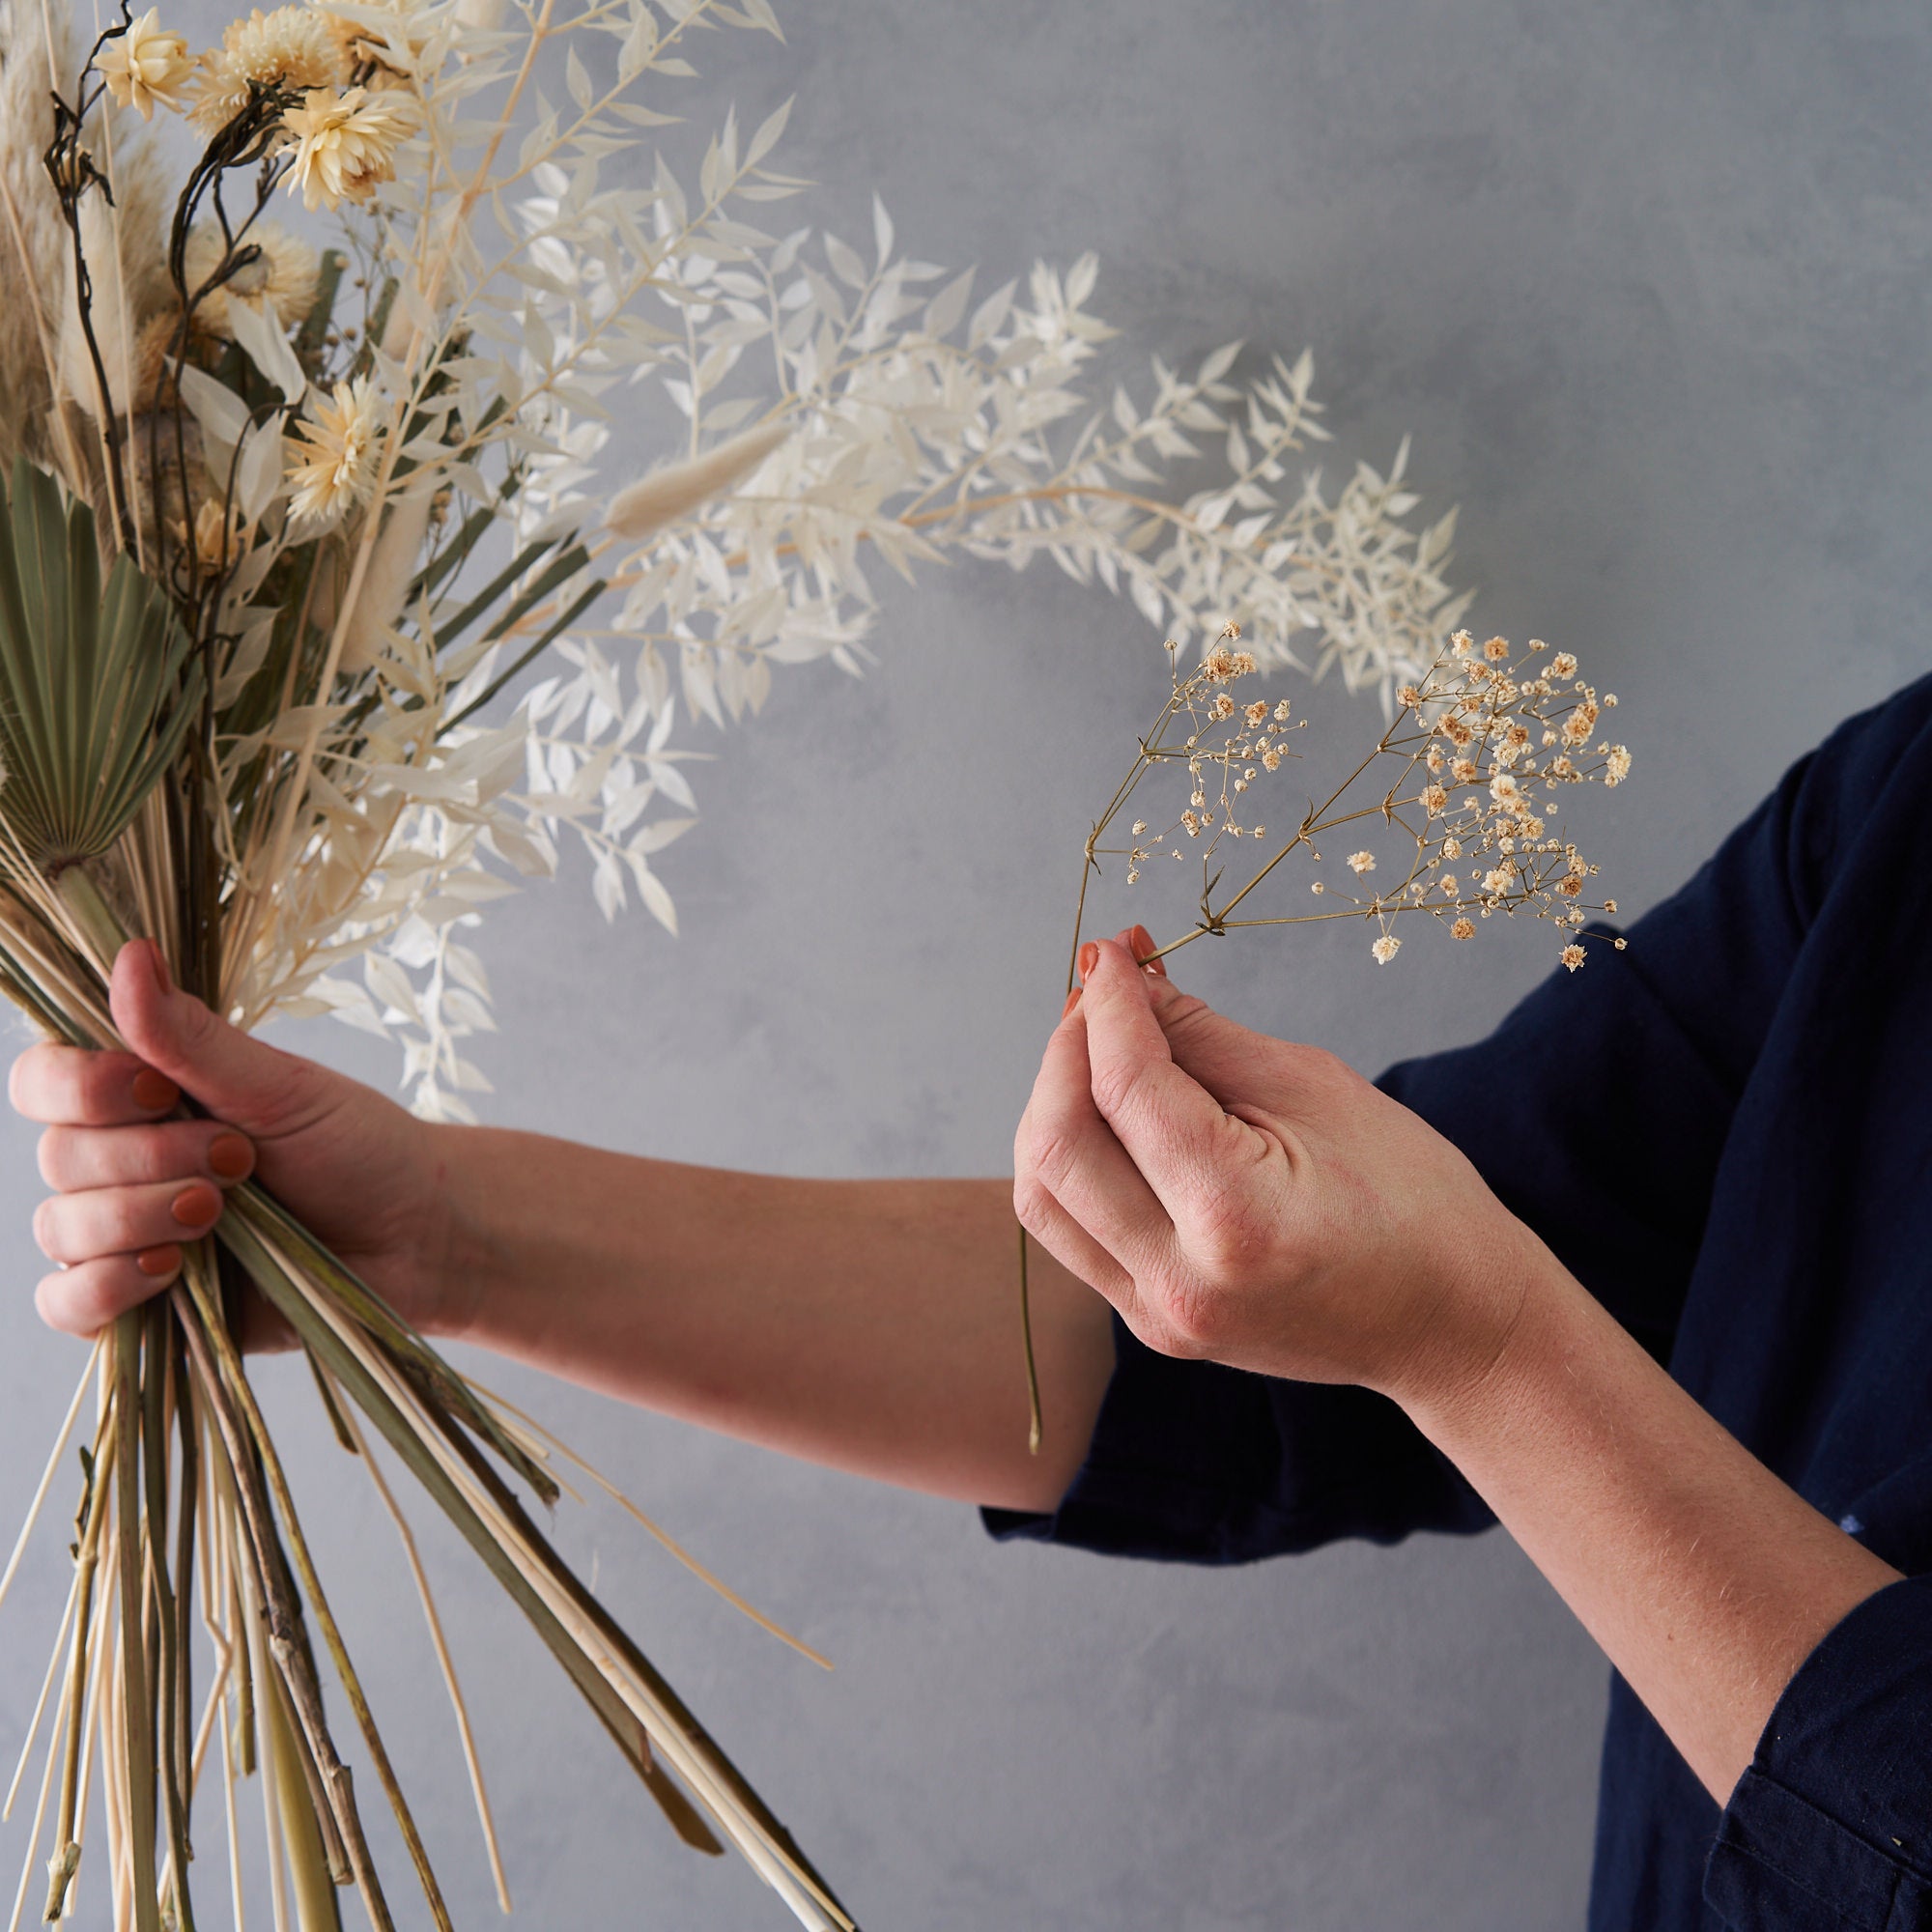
pixel 1726 1132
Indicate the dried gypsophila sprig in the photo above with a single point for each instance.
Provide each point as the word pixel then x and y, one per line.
pixel 1469 773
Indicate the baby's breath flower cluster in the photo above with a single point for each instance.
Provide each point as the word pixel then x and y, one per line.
pixel 1461 790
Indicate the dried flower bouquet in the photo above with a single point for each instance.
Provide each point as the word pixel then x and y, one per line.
pixel 292 508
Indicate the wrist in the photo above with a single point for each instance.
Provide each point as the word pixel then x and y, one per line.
pixel 455 1243
pixel 1485 1306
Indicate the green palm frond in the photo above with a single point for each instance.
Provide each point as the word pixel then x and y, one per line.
pixel 96 687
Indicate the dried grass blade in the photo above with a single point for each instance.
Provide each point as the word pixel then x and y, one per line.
pixel 138 1753
pixel 53 1463
pixel 446 1663
pixel 664 1538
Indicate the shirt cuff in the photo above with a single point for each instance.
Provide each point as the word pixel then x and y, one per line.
pixel 1831 1826
pixel 1194 1463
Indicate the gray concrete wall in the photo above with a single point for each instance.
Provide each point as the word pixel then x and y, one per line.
pixel 1650 285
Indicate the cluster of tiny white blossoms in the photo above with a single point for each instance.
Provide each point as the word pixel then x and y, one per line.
pixel 1248 737
pixel 1469 779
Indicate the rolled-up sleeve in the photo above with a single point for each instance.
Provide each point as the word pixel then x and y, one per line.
pixel 1830 1828
pixel 1194 1463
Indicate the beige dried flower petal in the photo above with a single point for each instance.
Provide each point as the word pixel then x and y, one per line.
pixel 291 47
pixel 346 143
pixel 333 457
pixel 1572 957
pixel 283 275
pixel 1385 949
pixel 146 64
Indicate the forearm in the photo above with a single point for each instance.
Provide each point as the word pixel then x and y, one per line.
pixel 873 1325
pixel 1706 1580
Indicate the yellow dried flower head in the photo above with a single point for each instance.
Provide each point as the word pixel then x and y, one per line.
pixel 145 65
pixel 1563 664
pixel 346 143
pixel 1464 929
pixel 1572 957
pixel 216 535
pixel 283 274
pixel 290 48
pixel 332 462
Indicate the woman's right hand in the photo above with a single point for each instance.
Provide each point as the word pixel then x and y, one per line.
pixel 134 1182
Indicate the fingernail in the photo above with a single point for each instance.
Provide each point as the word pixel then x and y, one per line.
pixel 230 1155
pixel 159 961
pixel 1072 1001
pixel 197 1205
pixel 1089 957
pixel 156 1262
pixel 155 1091
pixel 1144 947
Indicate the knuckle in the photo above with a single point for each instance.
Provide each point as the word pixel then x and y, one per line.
pixel 1117 1088
pixel 1033 1206
pixel 1192 1320
pixel 1230 1234
pixel 1052 1155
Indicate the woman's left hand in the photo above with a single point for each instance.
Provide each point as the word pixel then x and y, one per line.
pixel 1257 1202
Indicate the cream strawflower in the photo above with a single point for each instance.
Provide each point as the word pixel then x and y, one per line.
pixel 146 64
pixel 331 465
pixel 346 143
pixel 283 275
pixel 290 48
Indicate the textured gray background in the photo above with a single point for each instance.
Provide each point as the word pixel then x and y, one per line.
pixel 1650 286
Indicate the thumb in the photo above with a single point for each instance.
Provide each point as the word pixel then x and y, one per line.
pixel 245 1082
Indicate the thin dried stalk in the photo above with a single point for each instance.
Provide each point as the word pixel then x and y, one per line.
pixel 446 1663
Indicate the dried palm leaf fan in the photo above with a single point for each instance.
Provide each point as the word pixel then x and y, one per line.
pixel 99 704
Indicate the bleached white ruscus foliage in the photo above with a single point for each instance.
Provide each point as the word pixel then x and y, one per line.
pixel 835 407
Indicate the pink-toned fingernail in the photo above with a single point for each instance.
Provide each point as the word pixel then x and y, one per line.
pixel 1072 1001
pixel 1089 957
pixel 158 1263
pixel 159 961
pixel 155 1091
pixel 230 1155
pixel 197 1205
